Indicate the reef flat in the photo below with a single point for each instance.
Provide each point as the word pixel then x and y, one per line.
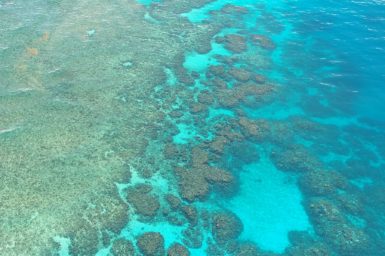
pixel 82 116
pixel 182 128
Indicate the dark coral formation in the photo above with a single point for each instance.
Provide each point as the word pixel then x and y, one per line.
pixel 240 74
pixel 263 41
pixel 177 249
pixel 260 79
pixel 235 43
pixel 350 203
pixel 191 213
pixel 230 9
pixel 112 216
pixel 173 201
pixel 245 93
pixel 309 250
pixel 226 226
pixel 122 247
pixel 195 184
pixel 245 152
pixel 217 71
pixel 331 224
pixel 84 241
pixel 248 249
pixel 151 244
pixel 249 127
pixel 144 202
pixel 193 237
pixel 322 182
pixel 296 159
pixel 305 244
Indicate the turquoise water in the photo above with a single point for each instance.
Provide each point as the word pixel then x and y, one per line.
pixel 226 127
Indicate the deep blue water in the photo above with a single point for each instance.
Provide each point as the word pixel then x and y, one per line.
pixel 353 32
pixel 329 57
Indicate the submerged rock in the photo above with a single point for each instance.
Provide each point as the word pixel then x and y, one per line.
pixel 151 244
pixel 226 226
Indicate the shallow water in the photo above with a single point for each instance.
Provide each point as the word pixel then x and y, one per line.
pixel 225 127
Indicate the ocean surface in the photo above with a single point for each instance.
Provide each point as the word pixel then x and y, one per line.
pixel 177 127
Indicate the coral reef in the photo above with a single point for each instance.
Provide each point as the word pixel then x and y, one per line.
pixel 235 43
pixel 244 151
pixel 263 41
pixel 177 249
pixel 192 237
pixel 230 8
pixel 144 203
pixel 226 226
pixel 122 247
pixel 191 213
pixel 173 201
pixel 151 244
pixel 195 184
pixel 247 249
pixel 314 250
pixel 240 74
pixel 331 224
pixel 118 96
pixel 322 182
pixel 295 158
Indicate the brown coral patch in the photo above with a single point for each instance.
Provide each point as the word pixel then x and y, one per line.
pixel 32 52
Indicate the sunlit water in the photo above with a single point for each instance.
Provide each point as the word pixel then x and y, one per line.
pixel 225 127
